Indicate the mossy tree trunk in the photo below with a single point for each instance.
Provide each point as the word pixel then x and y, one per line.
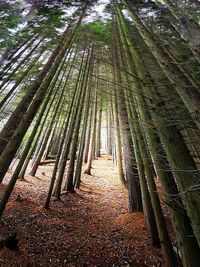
pixel 165 177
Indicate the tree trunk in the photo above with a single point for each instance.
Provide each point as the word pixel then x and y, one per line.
pixel 92 137
pixel 187 92
pixel 165 177
pixel 87 143
pixel 133 184
pixel 118 138
pixel 60 149
pixel 66 149
pixel 98 139
pixel 69 185
pixel 24 120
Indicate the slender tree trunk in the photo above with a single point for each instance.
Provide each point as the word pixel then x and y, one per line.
pixel 78 170
pixel 8 66
pixel 160 221
pixel 33 133
pixel 3 101
pixel 184 31
pixel 8 78
pixel 15 175
pixel 9 55
pixel 66 149
pixel 134 192
pixel 13 122
pixel 69 185
pixel 98 139
pixel 87 143
pixel 60 149
pixel 60 101
pixel 25 120
pixel 118 138
pixel 166 179
pixel 109 133
pixel 187 92
pixel 92 137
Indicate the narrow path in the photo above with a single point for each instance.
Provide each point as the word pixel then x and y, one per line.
pixel 89 228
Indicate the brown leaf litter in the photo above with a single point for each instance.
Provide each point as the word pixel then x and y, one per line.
pixel 91 227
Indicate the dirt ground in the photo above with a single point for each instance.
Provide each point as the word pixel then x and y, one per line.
pixel 91 227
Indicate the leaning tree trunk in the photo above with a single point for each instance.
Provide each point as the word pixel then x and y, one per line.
pixel 187 91
pixel 24 120
pixel 55 113
pixel 69 185
pixel 141 153
pixel 166 178
pixel 68 138
pixel 134 192
pixel 161 225
pixel 60 149
pixel 15 86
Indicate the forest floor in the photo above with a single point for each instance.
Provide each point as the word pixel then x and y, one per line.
pixel 91 227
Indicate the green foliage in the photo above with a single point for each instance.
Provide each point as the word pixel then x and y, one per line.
pixel 10 19
pixel 53 16
pixel 95 31
pixel 100 30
